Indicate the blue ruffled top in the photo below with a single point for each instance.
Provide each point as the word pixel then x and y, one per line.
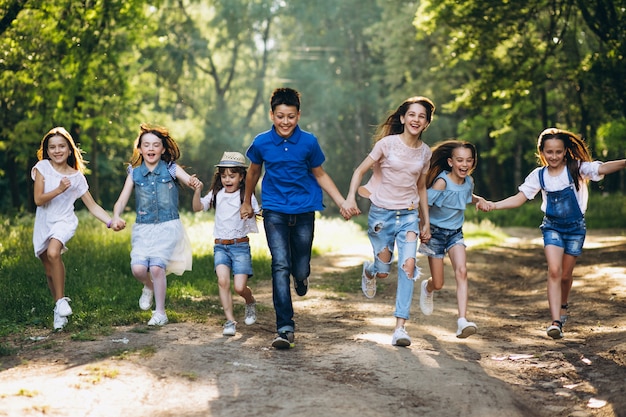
pixel 447 207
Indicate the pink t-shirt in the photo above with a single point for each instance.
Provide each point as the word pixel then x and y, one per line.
pixel 393 184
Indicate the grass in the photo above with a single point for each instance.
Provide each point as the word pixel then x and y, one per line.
pixel 103 291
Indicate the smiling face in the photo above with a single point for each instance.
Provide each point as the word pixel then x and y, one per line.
pixel 58 150
pixel 415 120
pixel 285 119
pixel 553 152
pixel 230 179
pixel 461 163
pixel 151 148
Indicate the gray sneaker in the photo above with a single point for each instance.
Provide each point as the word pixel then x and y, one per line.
pixel 250 314
pixel 230 328
pixel 368 285
pixel 284 340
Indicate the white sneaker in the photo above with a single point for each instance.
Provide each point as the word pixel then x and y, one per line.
pixel 400 337
pixel 426 299
pixel 230 328
pixel 250 314
pixel 145 301
pixel 158 319
pixel 59 321
pixel 62 307
pixel 465 328
pixel 368 285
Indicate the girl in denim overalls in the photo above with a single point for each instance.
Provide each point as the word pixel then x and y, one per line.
pixel 566 167
pixel 397 188
pixel 159 241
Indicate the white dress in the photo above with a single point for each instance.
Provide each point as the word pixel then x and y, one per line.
pixel 56 218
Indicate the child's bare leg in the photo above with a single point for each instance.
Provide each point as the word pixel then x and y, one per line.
pixel 159 283
pixel 554 256
pixel 458 258
pixel 435 283
pixel 55 269
pixel 223 282
pixel 141 273
pixel 241 288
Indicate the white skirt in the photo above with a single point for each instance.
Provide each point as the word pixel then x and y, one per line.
pixel 158 243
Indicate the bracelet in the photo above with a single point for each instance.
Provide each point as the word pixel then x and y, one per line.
pixel 109 224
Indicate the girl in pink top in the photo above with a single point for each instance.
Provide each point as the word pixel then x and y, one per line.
pixel 396 190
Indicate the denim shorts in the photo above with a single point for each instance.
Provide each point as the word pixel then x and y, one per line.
pixel 441 241
pixel 571 237
pixel 236 256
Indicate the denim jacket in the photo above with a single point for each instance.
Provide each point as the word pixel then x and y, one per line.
pixel 156 194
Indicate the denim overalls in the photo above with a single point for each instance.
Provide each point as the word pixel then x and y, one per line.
pixel 564 223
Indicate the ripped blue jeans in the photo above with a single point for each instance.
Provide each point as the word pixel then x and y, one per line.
pixel 385 229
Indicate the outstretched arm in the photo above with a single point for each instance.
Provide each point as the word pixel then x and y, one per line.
pixel 350 202
pixel 611 166
pixel 98 212
pixel 510 202
pixel 328 185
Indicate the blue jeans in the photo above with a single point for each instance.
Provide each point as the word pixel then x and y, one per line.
pixel 290 239
pixel 236 257
pixel 386 228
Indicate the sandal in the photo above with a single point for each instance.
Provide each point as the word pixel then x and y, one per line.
pixel 555 330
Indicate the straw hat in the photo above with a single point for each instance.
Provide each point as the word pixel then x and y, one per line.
pixel 232 159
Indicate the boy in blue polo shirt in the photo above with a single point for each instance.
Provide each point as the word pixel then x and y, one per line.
pixel 291 193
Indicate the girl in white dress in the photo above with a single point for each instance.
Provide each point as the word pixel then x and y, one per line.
pixel 59 182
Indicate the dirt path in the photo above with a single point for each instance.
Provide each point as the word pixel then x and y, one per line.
pixel 344 364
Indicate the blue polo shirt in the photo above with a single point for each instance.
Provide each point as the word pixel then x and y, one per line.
pixel 289 185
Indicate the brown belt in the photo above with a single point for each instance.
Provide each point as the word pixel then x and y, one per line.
pixel 232 241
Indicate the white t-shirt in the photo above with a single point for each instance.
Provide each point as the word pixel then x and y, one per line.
pixel 228 222
pixel 531 185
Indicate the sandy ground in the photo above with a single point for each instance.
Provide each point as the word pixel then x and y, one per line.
pixel 343 363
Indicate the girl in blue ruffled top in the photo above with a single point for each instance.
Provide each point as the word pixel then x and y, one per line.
pixel 450 189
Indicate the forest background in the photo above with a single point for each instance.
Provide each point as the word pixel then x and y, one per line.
pixel 499 71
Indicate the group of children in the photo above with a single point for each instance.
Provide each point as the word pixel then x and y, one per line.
pixel 417 199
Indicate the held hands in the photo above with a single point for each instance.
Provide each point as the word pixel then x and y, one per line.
pixel 118 224
pixel 486 206
pixel 246 211
pixel 349 209
pixel 195 183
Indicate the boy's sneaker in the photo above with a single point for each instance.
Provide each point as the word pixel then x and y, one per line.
pixel 426 299
pixel 145 301
pixel 62 308
pixel 368 285
pixel 158 319
pixel 285 340
pixel 59 321
pixel 230 328
pixel 400 337
pixel 555 330
pixel 465 328
pixel 250 313
pixel 301 287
